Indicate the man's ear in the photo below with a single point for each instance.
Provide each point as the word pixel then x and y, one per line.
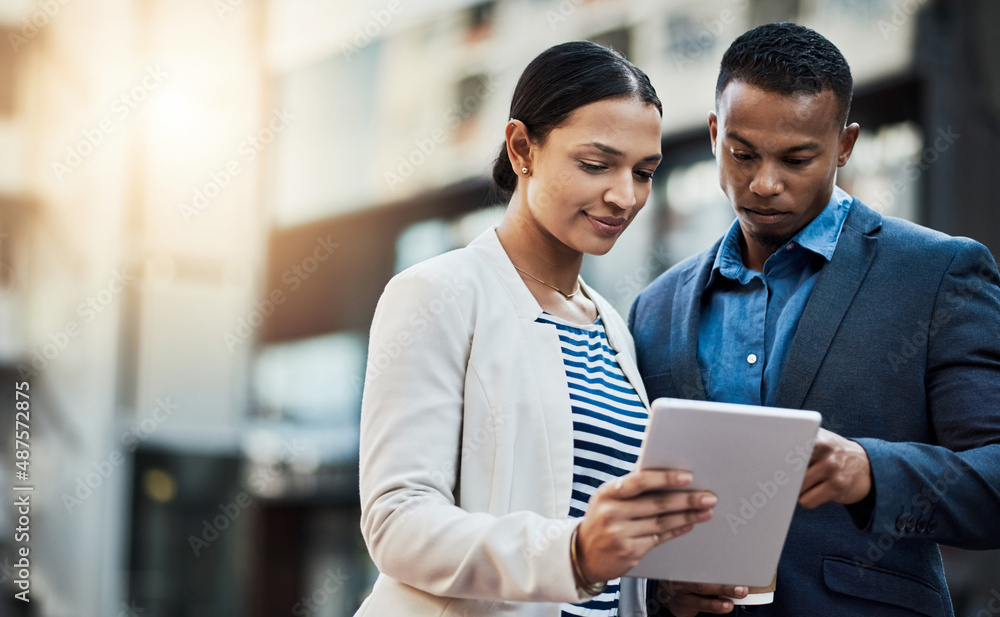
pixel 713 129
pixel 518 146
pixel 848 137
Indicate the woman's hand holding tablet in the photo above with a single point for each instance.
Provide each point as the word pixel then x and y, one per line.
pixel 630 515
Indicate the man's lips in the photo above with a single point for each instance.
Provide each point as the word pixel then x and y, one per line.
pixel 764 215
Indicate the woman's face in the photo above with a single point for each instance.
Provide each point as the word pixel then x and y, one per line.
pixel 592 174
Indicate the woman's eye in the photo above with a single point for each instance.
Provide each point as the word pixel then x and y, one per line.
pixel 644 176
pixel 589 167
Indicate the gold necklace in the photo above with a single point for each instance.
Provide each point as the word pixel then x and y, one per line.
pixel 565 295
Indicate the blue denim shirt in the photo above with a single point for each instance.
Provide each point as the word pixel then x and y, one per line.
pixel 748 318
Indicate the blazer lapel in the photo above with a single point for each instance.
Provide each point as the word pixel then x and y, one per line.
pixel 835 290
pixel 487 244
pixel 620 340
pixel 684 324
pixel 631 372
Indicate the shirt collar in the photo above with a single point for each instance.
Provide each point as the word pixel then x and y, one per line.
pixel 729 259
pixel 820 236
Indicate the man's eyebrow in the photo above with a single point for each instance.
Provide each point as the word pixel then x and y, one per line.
pixel 618 153
pixel 809 145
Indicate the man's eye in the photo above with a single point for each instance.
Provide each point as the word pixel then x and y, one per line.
pixel 739 156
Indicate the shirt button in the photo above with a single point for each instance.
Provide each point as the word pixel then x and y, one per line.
pixel 791 246
pixel 752 358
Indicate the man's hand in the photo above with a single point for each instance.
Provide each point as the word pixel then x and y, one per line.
pixel 839 471
pixel 689 599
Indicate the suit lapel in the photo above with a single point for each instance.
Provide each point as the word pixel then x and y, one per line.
pixel 684 323
pixel 835 290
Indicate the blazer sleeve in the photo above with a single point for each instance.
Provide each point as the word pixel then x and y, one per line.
pixel 949 492
pixel 411 427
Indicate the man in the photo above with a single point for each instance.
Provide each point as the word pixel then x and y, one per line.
pixel 814 301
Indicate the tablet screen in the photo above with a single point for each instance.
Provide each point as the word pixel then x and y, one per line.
pixel 754 459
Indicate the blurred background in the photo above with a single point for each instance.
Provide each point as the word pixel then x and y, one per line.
pixel 201 201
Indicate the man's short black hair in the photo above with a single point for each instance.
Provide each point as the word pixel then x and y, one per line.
pixel 787 58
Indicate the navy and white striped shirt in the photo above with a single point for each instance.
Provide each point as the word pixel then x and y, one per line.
pixel 609 421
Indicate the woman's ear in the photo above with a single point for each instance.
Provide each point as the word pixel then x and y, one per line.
pixel 518 147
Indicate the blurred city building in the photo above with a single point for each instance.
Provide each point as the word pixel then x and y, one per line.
pixel 201 201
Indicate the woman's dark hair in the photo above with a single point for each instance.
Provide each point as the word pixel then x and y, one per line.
pixel 787 58
pixel 561 79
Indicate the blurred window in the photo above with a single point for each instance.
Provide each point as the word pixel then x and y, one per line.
pixel 770 11
pixel 470 91
pixel 320 164
pixel 315 380
pixel 481 20
pixel 8 66
pixel 697 210
pixel 887 168
pixel 619 39
pixel 429 238
pixel 420 242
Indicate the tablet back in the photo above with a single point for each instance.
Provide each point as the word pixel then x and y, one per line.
pixel 754 460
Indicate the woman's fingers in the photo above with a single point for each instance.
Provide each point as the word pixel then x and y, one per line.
pixel 667 523
pixel 638 482
pixel 630 515
pixel 652 492
pixel 655 504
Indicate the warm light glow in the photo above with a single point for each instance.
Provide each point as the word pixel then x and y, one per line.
pixel 159 485
pixel 178 120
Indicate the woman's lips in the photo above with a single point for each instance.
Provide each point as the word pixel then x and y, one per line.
pixel 607 225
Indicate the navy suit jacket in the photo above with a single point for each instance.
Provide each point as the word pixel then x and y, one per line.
pixel 899 349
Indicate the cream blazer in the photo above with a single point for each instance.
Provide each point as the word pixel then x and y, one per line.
pixel 467 444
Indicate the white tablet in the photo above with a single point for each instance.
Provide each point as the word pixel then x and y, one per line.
pixel 754 459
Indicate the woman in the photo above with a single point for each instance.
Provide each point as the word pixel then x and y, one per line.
pixel 500 426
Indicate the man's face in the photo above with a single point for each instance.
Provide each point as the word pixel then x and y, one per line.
pixel 778 156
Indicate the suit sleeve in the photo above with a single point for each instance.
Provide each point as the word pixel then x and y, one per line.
pixel 411 423
pixel 949 492
pixel 631 315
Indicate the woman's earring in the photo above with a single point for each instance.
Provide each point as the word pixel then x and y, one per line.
pixel 524 170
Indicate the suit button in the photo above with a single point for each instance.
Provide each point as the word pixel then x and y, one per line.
pixel 922 525
pixel 901 522
pixel 932 526
pixel 910 524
